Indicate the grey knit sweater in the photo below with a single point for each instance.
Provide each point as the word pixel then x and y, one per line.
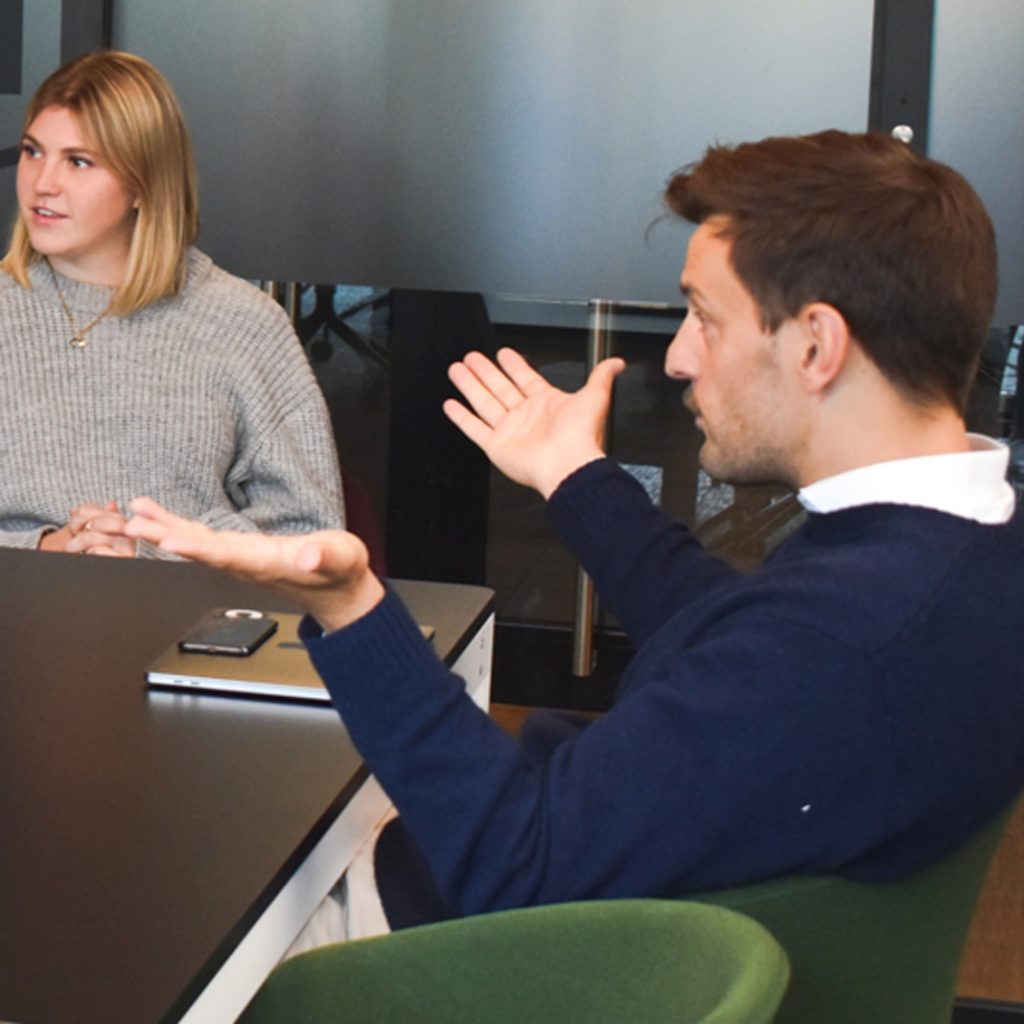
pixel 204 402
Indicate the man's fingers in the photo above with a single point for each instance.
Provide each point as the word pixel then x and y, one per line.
pixel 493 390
pixel 474 428
pixel 318 560
pixel 478 393
pixel 150 509
pixel 147 509
pixel 496 379
pixel 603 375
pixel 217 550
pixel 145 529
pixel 152 522
pixel 526 379
pixel 309 558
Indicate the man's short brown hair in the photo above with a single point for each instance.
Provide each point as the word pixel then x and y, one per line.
pixel 899 244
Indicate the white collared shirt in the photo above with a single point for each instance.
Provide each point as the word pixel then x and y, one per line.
pixel 969 484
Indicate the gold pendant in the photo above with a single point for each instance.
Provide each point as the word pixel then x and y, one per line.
pixel 78 340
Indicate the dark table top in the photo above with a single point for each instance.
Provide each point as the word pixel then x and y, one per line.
pixel 141 833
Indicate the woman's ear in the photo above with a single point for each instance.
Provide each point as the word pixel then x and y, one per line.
pixel 825 345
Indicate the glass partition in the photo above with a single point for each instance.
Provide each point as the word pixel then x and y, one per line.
pixel 483 528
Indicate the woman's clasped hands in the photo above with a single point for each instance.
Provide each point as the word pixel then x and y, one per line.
pixel 92 529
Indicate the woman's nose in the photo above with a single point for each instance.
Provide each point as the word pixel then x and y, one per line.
pixel 47 179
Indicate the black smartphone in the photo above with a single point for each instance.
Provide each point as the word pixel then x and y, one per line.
pixel 232 631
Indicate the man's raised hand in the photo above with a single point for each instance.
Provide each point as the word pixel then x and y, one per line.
pixel 535 433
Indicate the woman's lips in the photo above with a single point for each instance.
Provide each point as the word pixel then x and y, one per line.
pixel 47 216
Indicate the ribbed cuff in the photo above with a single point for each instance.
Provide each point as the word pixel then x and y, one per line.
pixel 383 650
pixel 589 502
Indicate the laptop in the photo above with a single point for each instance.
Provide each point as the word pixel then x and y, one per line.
pixel 279 668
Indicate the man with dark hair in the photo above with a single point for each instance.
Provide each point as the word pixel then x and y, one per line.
pixel 852 707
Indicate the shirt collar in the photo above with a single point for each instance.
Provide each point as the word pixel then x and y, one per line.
pixel 969 484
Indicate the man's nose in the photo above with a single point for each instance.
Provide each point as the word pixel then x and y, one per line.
pixel 681 357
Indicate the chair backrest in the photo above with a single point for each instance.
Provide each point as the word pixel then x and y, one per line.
pixel 361 520
pixel 656 961
pixel 878 952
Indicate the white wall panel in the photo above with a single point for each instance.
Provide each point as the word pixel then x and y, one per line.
pixel 485 145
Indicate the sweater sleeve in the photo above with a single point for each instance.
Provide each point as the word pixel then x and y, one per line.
pixel 22 538
pixel 690 783
pixel 291 483
pixel 646 565
pixel 285 476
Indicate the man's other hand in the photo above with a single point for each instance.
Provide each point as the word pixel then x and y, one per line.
pixel 327 572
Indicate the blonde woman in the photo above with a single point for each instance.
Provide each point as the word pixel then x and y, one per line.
pixel 129 363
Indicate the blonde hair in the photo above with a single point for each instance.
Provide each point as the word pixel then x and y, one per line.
pixel 127 111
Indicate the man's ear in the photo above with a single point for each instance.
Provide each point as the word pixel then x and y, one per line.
pixel 824 345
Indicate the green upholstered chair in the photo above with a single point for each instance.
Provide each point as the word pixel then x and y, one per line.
pixel 598 962
pixel 881 953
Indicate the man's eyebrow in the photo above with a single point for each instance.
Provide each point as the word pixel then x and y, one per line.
pixel 689 291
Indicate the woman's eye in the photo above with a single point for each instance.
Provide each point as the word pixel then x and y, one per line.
pixel 80 161
pixel 28 149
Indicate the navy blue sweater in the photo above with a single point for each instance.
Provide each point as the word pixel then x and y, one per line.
pixel 856 706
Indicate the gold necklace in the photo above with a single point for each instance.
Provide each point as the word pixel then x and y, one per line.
pixel 78 334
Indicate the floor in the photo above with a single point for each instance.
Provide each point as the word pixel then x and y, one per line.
pixel 993 964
